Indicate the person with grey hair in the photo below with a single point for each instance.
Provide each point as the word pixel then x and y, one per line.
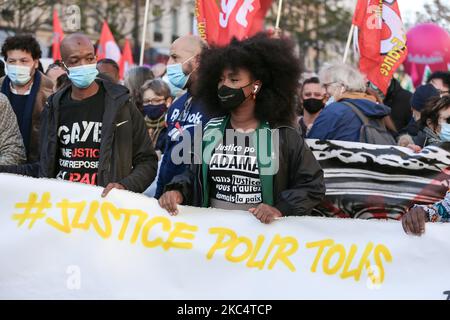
pixel 134 80
pixel 348 106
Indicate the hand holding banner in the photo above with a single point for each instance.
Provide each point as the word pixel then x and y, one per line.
pixel 61 240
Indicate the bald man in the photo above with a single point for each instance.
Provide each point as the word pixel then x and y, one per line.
pixel 91 133
pixel 186 112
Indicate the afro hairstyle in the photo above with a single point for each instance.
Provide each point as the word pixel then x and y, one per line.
pixel 271 60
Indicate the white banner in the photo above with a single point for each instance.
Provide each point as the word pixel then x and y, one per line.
pixel 61 240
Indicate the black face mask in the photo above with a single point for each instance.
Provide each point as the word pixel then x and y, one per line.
pixel 313 105
pixel 231 98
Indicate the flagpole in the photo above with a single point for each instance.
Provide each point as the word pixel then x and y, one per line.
pixel 141 59
pixel 350 35
pixel 349 41
pixel 280 5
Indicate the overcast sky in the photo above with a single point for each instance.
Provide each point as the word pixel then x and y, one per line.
pixel 409 8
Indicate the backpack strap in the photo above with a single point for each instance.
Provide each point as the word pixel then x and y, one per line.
pixel 364 119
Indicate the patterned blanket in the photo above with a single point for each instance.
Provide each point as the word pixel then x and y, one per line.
pixel 377 182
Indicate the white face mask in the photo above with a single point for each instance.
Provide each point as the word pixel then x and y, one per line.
pixel 19 75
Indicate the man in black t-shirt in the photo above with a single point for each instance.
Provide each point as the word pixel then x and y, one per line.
pixel 79 136
pixel 91 132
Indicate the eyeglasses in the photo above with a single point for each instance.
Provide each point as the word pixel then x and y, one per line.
pixel 155 101
pixel 327 85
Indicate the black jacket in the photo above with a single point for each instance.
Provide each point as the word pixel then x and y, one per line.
pixel 126 153
pixel 298 184
pixel 399 100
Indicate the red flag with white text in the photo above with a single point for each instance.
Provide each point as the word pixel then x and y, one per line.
pixel 381 40
pixel 219 21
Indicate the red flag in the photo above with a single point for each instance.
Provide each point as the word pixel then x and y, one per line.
pixel 381 40
pixel 58 35
pixel 107 47
pixel 239 18
pixel 127 59
pixel 360 13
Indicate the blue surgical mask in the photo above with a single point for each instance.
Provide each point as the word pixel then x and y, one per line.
pixel 444 135
pixel 176 75
pixel 19 75
pixel 174 91
pixel 83 76
pixel 154 112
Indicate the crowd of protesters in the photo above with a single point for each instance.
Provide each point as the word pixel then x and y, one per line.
pixel 220 127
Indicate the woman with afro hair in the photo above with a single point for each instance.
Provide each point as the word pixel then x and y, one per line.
pixel 253 158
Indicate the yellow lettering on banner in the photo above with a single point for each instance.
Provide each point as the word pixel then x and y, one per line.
pixel 99 216
pixel 105 209
pixel 282 254
pixel 365 261
pixel 356 273
pixel 229 241
pixel 345 259
pixel 93 208
pixel 91 219
pixel 127 214
pixel 241 240
pixel 65 205
pixel 333 258
pixel 251 263
pixel 222 233
pixel 321 244
pixel 381 250
pixel 339 249
pixel 33 209
pixel 165 222
pixel 178 232
pixel 142 217
pixel 137 228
